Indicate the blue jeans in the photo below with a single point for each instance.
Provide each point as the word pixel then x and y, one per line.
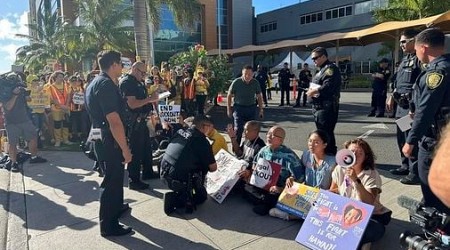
pixel 241 115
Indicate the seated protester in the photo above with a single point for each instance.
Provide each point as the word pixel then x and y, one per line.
pixel 362 182
pixel 275 152
pixel 316 165
pixel 249 147
pixel 187 159
pixel 217 140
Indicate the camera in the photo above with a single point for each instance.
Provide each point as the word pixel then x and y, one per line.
pixel 8 83
pixel 435 226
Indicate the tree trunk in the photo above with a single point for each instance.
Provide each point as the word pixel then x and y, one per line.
pixel 141 31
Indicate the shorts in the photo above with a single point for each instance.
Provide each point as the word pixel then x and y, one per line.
pixel 26 130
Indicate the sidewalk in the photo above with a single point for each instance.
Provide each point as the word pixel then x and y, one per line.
pixel 55 206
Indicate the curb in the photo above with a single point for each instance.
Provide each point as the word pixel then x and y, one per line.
pixel 17 229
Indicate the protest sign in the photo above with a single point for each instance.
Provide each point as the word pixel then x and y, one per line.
pixel 220 182
pixel 39 101
pixel 169 113
pixel 265 174
pixel 78 98
pixel 297 200
pixel 334 223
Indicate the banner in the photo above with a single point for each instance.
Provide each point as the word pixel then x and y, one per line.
pixel 298 199
pixel 334 222
pixel 265 174
pixel 220 182
pixel 169 113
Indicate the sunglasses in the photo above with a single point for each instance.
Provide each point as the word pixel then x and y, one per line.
pixel 406 41
pixel 143 73
pixel 316 57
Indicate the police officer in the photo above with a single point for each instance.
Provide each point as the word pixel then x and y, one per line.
pixel 408 71
pixel 139 106
pixel 284 79
pixel 432 107
pixel 263 78
pixel 304 78
pixel 379 88
pixel 187 159
pixel 326 96
pixel 107 111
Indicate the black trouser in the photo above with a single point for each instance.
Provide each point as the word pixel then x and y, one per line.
pixel 184 190
pixel 378 101
pixel 241 115
pixel 426 149
pixel 111 188
pixel 285 88
pixel 407 163
pixel 200 100
pixel 141 149
pixel 325 117
pixel 301 93
pixel 264 92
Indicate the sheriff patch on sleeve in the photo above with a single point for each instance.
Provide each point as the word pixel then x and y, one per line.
pixel 329 72
pixel 433 80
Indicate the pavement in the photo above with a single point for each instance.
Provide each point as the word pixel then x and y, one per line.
pixel 55 205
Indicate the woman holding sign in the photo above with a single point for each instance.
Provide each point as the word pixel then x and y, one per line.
pixel 362 182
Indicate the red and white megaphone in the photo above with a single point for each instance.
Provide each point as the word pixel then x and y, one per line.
pixel 345 158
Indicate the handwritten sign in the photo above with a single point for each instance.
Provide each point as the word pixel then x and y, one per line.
pixel 298 199
pixel 39 101
pixel 78 98
pixel 334 223
pixel 220 182
pixel 169 113
pixel 265 174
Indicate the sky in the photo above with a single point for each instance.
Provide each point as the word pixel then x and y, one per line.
pixel 14 17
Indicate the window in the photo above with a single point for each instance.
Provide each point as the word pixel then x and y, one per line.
pixel 302 19
pixel 266 27
pixel 348 10
pixel 319 16
pixel 328 14
pixel 338 12
pixel 308 18
pixel 335 13
pixel 311 18
pixel 368 6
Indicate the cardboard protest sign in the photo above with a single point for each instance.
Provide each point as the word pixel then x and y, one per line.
pixel 169 113
pixel 220 182
pixel 334 223
pixel 265 174
pixel 39 100
pixel 298 199
pixel 78 98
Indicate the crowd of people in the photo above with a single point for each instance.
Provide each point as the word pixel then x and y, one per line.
pixel 122 109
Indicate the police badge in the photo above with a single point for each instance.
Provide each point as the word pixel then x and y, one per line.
pixel 329 72
pixel 433 80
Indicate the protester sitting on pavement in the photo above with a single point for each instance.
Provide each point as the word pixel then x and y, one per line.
pixel 316 165
pixel 362 182
pixel 17 122
pixel 278 153
pixel 217 140
pixel 185 164
pixel 249 148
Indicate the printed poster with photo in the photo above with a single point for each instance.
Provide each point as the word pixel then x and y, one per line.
pixel 265 174
pixel 334 222
pixel 169 113
pixel 220 182
pixel 298 199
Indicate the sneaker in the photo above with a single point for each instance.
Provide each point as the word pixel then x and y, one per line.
pixel 58 144
pixel 119 230
pixel 275 212
pixel 37 159
pixel 15 167
pixel 138 185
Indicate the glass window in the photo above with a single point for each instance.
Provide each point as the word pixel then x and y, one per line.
pixel 313 18
pixel 348 10
pixel 308 19
pixel 335 13
pixel 262 29
pixel 341 12
pixel 302 20
pixel 275 26
pixel 319 16
pixel 270 27
pixel 328 14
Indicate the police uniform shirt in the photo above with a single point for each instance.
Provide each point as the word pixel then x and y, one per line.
pixel 408 71
pixel 304 77
pixel 261 77
pixel 130 86
pixel 285 75
pixel 195 156
pixel 103 97
pixel 380 84
pixel 329 79
pixel 433 91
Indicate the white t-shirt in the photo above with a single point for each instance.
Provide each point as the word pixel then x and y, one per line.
pixel 369 179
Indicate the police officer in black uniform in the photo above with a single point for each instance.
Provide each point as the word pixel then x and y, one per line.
pixel 184 166
pixel 106 108
pixel 262 77
pixel 407 73
pixel 326 97
pixel 139 106
pixel 432 107
pixel 284 79
pixel 304 78
pixel 379 88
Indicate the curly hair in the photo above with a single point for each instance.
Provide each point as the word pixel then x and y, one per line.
pixel 369 161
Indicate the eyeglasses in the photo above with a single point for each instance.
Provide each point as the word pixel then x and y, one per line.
pixel 316 57
pixel 143 73
pixel 406 41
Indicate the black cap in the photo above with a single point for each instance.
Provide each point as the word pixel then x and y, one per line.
pixel 384 60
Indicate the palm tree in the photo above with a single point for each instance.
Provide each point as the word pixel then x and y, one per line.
pixel 403 10
pixel 47 42
pixel 145 11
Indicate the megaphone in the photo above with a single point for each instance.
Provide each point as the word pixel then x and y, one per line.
pixel 345 158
